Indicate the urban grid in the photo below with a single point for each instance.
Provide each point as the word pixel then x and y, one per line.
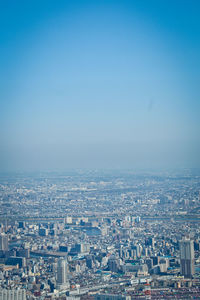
pixel 100 235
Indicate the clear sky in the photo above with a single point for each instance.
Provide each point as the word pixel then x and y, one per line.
pixel 99 84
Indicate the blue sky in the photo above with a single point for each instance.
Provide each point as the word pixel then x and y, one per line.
pixel 97 84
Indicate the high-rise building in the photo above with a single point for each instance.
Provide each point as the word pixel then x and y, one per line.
pixel 3 242
pixel 113 264
pixel 62 278
pixel 187 257
pixel 12 294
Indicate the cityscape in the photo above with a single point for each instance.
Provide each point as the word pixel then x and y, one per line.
pixel 99 149
pixel 100 235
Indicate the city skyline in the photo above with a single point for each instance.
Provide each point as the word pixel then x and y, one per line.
pixel 87 235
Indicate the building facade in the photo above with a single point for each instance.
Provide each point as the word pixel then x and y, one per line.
pixel 187 257
pixel 12 294
pixel 3 242
pixel 62 278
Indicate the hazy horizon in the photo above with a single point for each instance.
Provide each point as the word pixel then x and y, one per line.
pixel 99 84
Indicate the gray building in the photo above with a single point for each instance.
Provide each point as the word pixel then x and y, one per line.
pixel 62 278
pixel 4 242
pixel 187 257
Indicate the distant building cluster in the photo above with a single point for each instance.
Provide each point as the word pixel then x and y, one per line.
pixel 140 241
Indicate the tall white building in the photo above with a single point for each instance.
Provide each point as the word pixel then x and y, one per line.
pixel 62 278
pixel 187 257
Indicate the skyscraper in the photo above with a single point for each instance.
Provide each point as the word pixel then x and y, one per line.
pixel 187 257
pixel 62 280
pixel 3 242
